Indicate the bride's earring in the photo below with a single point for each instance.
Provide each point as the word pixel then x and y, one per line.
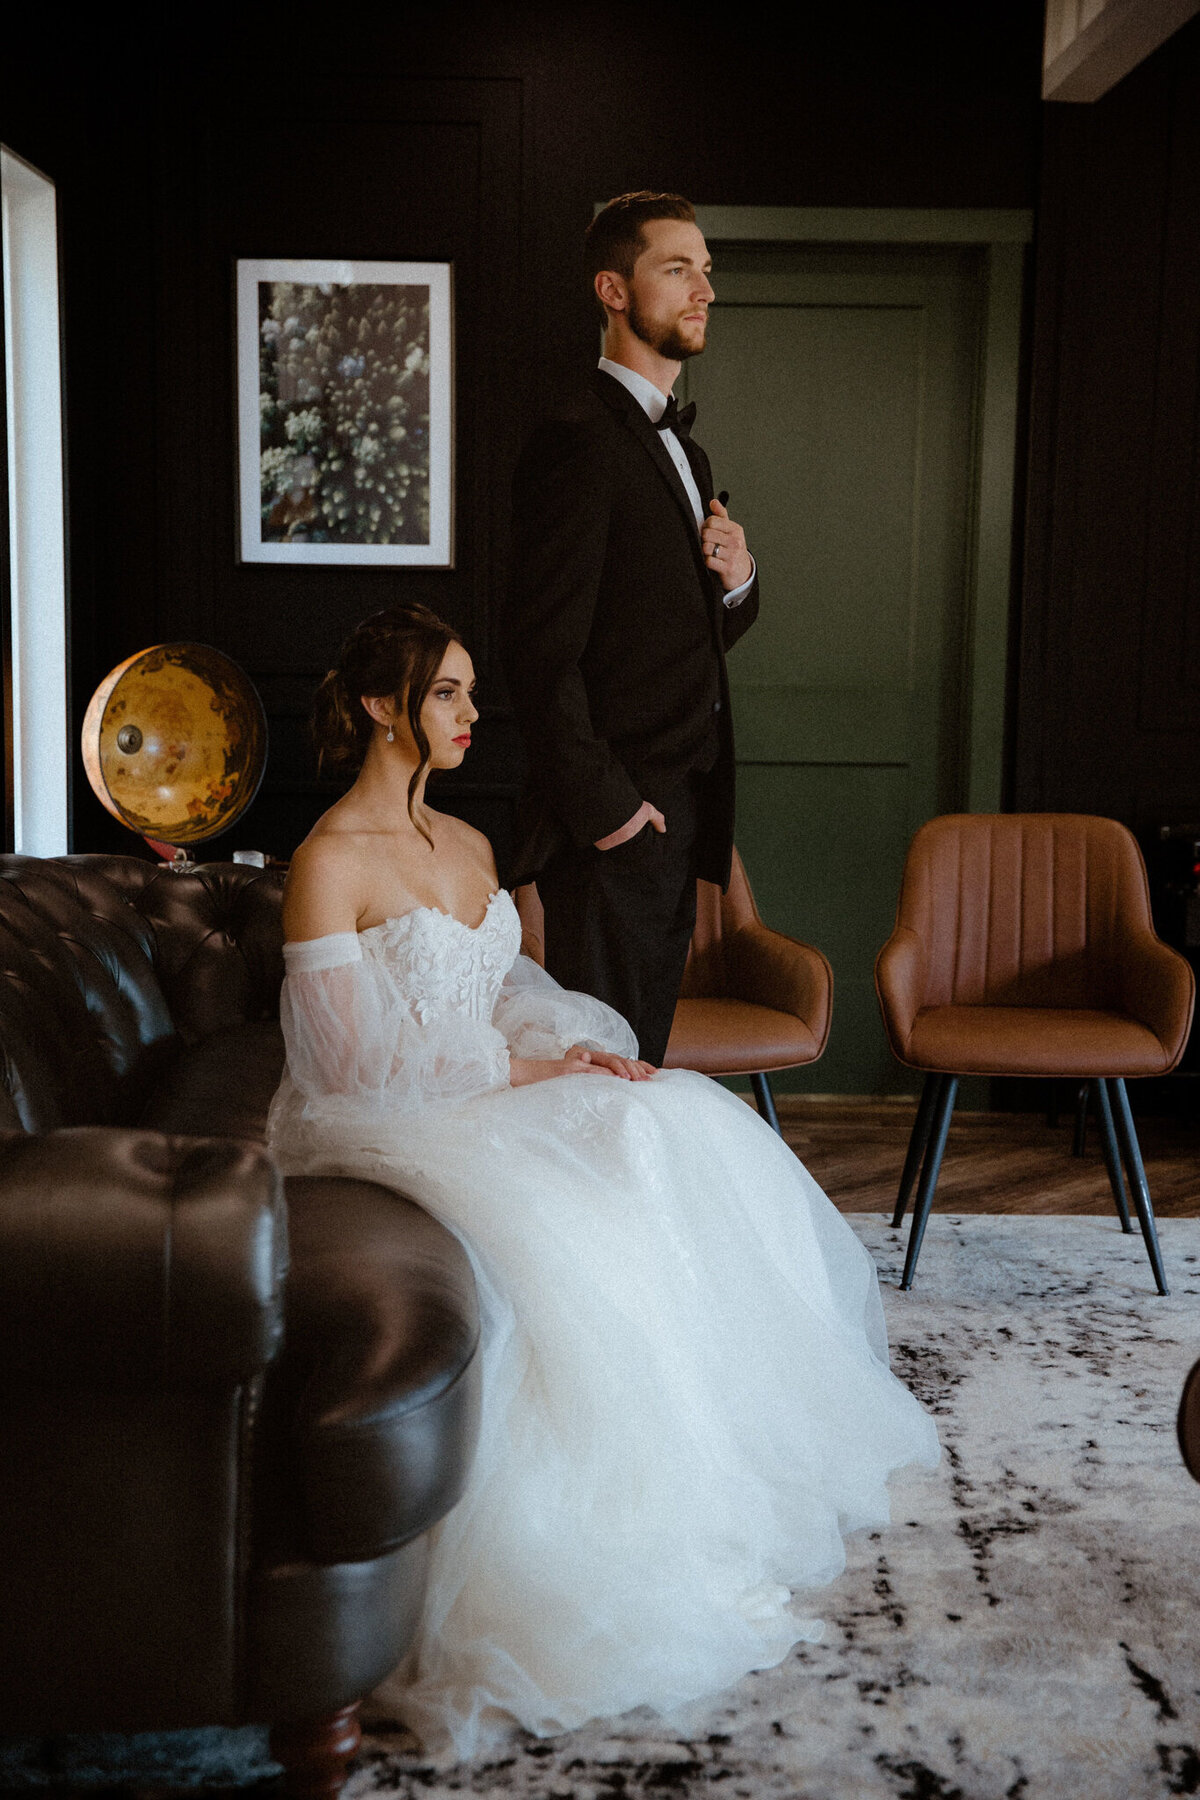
pixel 391 736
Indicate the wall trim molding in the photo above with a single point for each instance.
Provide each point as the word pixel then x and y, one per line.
pixel 865 224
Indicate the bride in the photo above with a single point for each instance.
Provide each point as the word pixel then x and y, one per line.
pixel 686 1396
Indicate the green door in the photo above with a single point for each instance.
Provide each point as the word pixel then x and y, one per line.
pixel 838 400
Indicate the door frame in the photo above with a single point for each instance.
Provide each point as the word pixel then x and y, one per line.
pixel 1002 234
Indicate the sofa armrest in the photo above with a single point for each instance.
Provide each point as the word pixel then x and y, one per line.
pixel 770 969
pixel 132 1261
pixel 900 976
pixel 372 1410
pixel 1158 989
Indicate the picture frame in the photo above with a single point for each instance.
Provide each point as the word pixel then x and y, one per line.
pixel 345 412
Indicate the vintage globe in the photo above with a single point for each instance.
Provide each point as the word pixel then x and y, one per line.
pixel 175 742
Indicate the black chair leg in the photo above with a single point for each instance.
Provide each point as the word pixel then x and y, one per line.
pixel 1079 1141
pixel 1136 1172
pixel 764 1099
pixel 918 1139
pixel 929 1174
pixel 1112 1156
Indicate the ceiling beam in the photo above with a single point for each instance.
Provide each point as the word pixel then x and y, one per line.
pixel 1090 45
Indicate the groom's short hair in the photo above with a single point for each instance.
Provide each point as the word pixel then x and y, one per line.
pixel 615 237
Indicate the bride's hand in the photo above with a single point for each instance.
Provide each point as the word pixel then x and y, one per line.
pixel 579 1060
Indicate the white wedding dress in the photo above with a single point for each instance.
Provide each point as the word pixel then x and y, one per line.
pixel 686 1394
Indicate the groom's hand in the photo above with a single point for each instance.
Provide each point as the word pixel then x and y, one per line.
pixel 724 544
pixel 644 814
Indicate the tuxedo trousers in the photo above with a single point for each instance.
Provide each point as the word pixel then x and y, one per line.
pixel 618 923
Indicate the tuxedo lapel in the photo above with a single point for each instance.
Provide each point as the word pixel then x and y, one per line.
pixel 616 396
pixel 702 475
pixel 622 402
pixel 699 465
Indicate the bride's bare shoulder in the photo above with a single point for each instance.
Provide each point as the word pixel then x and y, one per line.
pixel 326 879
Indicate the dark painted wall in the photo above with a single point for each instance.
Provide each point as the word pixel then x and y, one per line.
pixel 483 136
pixel 1108 713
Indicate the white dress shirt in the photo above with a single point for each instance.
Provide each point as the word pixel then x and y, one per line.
pixel 654 405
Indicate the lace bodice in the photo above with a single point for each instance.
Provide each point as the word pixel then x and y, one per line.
pixel 420 1009
pixel 441 965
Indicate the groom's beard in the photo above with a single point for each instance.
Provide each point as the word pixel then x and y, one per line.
pixel 664 339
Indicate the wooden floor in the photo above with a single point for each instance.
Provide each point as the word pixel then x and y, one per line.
pixel 995 1162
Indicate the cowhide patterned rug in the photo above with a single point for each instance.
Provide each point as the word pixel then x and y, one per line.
pixel 1029 1627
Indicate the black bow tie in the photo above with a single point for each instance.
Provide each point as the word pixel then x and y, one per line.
pixel 678 419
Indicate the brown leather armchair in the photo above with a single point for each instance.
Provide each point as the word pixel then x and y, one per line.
pixel 751 1001
pixel 1023 946
pixel 231 1406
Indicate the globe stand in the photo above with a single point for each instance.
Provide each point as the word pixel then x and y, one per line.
pixel 174 855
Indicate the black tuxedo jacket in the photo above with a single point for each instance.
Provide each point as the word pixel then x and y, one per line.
pixel 615 634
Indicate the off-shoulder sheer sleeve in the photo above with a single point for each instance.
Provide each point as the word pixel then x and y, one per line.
pixel 352 1036
pixel 537 1018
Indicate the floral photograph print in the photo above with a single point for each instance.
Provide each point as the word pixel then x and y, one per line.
pixel 345 386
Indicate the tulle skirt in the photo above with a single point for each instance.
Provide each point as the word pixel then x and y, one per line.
pixel 686 1400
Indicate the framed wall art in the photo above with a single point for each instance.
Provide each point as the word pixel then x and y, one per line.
pixel 345 386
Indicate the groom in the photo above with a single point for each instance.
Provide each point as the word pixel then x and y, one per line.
pixel 630 582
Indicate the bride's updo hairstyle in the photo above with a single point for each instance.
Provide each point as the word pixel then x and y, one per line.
pixel 394 655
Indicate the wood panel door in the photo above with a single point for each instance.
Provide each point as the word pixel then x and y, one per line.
pixel 838 400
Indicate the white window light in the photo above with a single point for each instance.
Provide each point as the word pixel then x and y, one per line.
pixel 36 509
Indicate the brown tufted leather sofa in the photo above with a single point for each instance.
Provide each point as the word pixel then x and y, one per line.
pixel 231 1406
